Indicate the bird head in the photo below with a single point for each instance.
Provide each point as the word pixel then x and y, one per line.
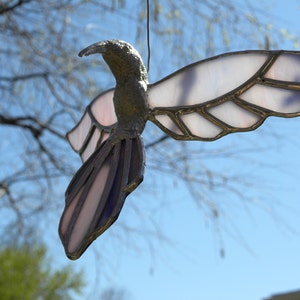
pixel 123 60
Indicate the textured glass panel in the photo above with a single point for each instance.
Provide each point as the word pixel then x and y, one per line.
pixel 78 135
pixel 103 109
pixel 275 99
pixel 206 80
pixel 199 126
pixel 285 68
pixel 69 212
pixel 233 115
pixel 89 209
pixel 166 121
pixel 91 146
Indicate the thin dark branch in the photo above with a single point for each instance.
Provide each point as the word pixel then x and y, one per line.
pixel 35 126
pixel 54 91
pixel 6 8
pixel 50 156
pixel 21 122
pixel 4 188
pixel 161 139
pixel 23 77
pixel 21 176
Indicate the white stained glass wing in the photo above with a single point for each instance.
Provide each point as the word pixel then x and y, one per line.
pixel 274 99
pixel 285 68
pixel 228 93
pixel 201 127
pixel 94 125
pixel 103 109
pixel 205 80
pixel 78 134
pixel 233 115
pixel 167 122
pixel 91 145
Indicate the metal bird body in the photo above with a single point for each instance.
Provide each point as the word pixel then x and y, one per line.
pixel 130 96
pixel 203 101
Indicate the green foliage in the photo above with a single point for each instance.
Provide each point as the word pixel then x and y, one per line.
pixel 27 273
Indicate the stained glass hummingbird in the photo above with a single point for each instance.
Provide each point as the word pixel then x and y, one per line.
pixel 203 101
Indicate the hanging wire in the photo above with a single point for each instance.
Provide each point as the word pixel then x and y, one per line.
pixel 148 35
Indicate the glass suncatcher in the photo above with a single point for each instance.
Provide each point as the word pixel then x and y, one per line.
pixel 203 101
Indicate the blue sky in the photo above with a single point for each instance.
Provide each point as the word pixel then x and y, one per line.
pixel 261 245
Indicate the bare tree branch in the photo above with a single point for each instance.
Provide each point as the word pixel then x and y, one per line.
pixel 5 8
pixel 34 125
pixel 23 77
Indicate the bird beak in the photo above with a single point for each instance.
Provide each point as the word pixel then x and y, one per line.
pixel 100 47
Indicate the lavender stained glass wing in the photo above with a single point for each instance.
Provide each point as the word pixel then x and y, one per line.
pixel 95 125
pixel 227 93
pixel 96 194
